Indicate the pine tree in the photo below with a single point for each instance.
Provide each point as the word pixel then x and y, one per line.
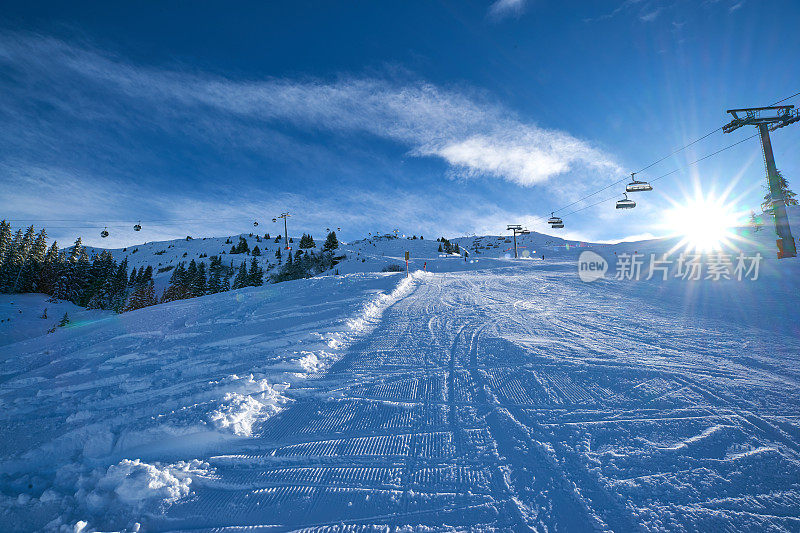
pixel 226 279
pixel 64 320
pixel 150 293
pixel 241 248
pixel 173 290
pixel 73 276
pixel 307 241
pixel 5 241
pixel 755 222
pixel 789 197
pixel 139 275
pixel 331 242
pixel 215 275
pixel 191 278
pixel 256 274
pixel 143 296
pixel 241 279
pixel 256 251
pixel 37 260
pixel 199 284
pixel 12 263
pixel 119 287
pixel 278 256
pixel 28 274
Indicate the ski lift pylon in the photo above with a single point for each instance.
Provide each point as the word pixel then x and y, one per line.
pixel 625 203
pixel 637 185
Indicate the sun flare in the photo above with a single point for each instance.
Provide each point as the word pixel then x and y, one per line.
pixel 704 223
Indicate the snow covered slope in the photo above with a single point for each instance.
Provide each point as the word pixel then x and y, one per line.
pixel 21 316
pixel 97 419
pixel 495 394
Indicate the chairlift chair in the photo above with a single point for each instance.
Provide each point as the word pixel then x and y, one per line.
pixel 625 203
pixel 104 233
pixel 255 223
pixel 137 226
pixel 637 185
pixel 557 225
pixel 554 219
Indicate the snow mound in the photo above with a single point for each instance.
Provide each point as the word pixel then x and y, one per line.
pixel 373 309
pixel 138 486
pixel 252 400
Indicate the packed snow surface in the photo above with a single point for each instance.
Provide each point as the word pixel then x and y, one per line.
pixel 500 394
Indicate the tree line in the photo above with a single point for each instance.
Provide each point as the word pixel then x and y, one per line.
pixel 27 264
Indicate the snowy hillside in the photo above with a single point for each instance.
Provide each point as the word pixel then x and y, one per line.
pixel 376 252
pixel 487 393
pixel 160 384
pixel 22 316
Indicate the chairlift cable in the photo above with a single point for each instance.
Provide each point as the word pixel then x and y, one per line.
pixel 663 159
pixel 668 173
pixel 787 98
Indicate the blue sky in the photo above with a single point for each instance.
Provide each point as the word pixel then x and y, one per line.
pixel 436 118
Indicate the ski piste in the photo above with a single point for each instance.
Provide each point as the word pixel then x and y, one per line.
pixel 496 394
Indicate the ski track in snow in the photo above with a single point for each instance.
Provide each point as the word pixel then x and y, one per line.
pixel 507 398
pixel 103 442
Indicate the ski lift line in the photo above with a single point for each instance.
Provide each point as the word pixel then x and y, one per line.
pixel 704 157
pixel 642 169
pixel 149 222
pixel 663 159
pixel 709 134
pixel 591 205
pixel 787 98
pixel 668 173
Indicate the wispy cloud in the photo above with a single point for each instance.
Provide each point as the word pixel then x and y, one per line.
pixel 79 125
pixel 650 16
pixel 501 9
pixel 476 137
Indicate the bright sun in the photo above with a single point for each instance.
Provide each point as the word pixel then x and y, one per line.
pixel 704 224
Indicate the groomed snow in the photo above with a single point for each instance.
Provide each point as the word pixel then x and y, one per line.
pixel 500 394
pixel 98 417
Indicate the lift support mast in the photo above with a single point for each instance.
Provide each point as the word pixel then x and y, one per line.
pixel 768 119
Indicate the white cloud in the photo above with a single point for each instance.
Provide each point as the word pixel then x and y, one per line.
pixel 506 8
pixel 476 137
pixel 651 15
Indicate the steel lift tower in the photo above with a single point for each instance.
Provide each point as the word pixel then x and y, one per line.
pixel 517 229
pixel 284 216
pixel 768 119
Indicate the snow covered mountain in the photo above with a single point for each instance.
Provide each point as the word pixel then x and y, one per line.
pixel 484 393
